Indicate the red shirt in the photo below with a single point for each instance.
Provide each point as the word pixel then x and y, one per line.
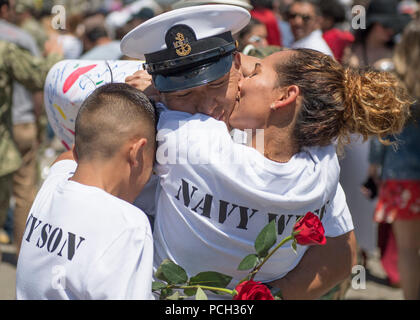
pixel 267 17
pixel 338 40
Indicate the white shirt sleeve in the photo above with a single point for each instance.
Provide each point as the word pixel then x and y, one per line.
pixel 124 270
pixel 339 221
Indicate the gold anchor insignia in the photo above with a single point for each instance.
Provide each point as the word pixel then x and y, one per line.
pixel 182 47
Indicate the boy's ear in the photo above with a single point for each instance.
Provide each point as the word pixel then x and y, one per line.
pixel 286 97
pixel 136 152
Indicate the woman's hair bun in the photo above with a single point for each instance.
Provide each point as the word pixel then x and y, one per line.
pixel 375 104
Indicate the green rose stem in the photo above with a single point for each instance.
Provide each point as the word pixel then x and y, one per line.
pixel 259 266
pixel 224 290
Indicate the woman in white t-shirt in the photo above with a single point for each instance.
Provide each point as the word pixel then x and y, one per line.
pixel 216 195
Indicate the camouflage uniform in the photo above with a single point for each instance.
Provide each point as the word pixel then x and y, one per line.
pixel 25 128
pixel 30 24
pixel 36 30
pixel 15 65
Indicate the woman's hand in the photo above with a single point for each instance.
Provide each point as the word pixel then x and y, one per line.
pixel 370 187
pixel 142 81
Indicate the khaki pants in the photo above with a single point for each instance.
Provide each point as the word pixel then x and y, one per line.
pixel 25 178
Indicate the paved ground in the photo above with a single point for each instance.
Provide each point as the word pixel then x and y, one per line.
pixel 376 285
pixel 7 272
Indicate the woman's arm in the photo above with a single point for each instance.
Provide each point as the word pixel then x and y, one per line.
pixel 142 81
pixel 321 268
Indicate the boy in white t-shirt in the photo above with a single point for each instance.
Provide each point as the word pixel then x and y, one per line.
pixel 83 238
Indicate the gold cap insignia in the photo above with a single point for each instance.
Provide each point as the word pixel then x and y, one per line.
pixel 181 45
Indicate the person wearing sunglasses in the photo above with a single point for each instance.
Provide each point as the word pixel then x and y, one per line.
pixel 253 40
pixel 304 19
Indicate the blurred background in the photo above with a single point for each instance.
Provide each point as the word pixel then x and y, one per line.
pixel 379 34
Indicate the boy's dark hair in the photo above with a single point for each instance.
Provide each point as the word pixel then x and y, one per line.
pixel 110 116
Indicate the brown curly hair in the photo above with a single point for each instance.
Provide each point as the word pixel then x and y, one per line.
pixel 338 102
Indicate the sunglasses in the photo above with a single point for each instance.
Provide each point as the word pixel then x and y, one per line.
pixel 304 17
pixel 255 39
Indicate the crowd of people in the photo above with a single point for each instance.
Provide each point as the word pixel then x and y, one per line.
pixel 370 116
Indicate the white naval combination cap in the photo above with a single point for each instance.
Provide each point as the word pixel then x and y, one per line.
pixel 187 47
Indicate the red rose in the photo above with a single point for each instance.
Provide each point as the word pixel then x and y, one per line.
pixel 311 230
pixel 251 290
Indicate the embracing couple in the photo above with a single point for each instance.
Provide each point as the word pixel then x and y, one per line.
pixel 303 102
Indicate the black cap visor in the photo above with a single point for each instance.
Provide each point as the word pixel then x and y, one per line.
pixel 193 77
